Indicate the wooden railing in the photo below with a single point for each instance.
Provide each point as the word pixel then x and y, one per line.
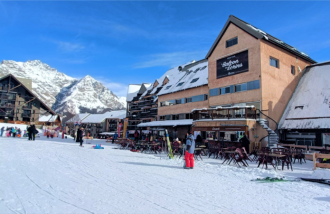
pixel 321 165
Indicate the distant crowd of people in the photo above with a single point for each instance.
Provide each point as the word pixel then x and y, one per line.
pixel 30 132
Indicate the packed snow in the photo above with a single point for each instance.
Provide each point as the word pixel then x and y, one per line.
pixel 58 176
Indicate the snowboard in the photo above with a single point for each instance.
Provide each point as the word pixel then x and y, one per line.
pixel 272 180
pixel 320 181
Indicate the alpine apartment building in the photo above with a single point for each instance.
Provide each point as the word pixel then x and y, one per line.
pixel 242 86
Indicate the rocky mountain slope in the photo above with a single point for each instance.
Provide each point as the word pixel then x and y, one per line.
pixel 63 93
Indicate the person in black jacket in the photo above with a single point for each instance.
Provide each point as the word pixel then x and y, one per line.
pixel 245 143
pixel 34 131
pixel 80 136
pixel 29 130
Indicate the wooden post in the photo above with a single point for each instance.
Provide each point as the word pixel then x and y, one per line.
pixel 314 161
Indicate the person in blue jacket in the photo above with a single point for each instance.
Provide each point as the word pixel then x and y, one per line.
pixel 115 136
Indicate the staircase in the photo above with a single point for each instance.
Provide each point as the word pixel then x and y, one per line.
pixel 273 138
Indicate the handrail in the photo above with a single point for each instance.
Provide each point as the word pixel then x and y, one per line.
pixel 276 130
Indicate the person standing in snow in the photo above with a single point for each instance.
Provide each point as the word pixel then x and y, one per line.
pixel 2 130
pixel 115 136
pixel 80 136
pixel 34 132
pixel 136 136
pixel 58 133
pixel 189 154
pixel 245 143
pixel 13 131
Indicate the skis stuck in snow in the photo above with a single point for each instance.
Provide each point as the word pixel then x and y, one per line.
pixel 272 180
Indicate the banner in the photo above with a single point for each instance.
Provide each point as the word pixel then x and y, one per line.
pixel 125 128
pixel 119 129
pixel 233 64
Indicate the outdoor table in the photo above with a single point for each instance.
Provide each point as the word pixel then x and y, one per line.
pixel 229 156
pixel 276 156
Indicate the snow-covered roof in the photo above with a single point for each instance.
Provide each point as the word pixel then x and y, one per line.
pixel 48 118
pixel 99 118
pixel 78 118
pixel 146 92
pixel 133 90
pixel 191 76
pixel 167 123
pixel 259 34
pixel 309 106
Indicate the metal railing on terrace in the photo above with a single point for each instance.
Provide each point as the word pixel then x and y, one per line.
pixel 227 113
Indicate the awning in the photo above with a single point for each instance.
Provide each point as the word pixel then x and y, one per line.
pixel 107 133
pixel 172 123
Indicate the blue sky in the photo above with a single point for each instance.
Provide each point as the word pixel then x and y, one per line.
pixel 120 43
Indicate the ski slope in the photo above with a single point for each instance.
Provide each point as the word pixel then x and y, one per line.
pixel 58 176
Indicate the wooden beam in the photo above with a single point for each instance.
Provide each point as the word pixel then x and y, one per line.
pixel 15 87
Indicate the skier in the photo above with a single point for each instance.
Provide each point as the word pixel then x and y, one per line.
pixel 2 130
pixel 189 154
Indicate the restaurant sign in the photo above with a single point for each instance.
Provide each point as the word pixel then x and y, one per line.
pixel 233 64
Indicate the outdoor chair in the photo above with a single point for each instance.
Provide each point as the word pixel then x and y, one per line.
pixel 239 157
pixel 298 154
pixel 286 160
pixel 197 154
pixel 247 157
pixel 264 159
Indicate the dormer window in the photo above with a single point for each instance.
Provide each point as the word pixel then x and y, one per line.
pixel 194 80
pixel 231 42
pixel 167 87
pixel 181 83
pixel 299 107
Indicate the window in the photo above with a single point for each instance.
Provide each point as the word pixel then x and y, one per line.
pixel 202 68
pixel 214 92
pixel 227 90
pixel 231 42
pixel 189 100
pixel 178 101
pixel 241 87
pixel 168 117
pixel 299 107
pixel 182 116
pixel 189 72
pixel 197 70
pixel 181 83
pixel 183 100
pixel 167 87
pixel 293 70
pixel 198 98
pixel 274 62
pixel 253 85
pixel 194 80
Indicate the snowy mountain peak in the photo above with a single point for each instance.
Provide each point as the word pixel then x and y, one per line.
pixel 61 92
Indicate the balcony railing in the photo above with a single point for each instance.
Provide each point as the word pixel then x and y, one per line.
pixel 26 114
pixel 7 97
pixel 7 105
pixel 27 107
pixel 227 113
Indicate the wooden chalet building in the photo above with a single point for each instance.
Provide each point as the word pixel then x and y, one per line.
pixel 18 104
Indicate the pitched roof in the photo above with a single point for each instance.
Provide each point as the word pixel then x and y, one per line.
pixel 259 34
pixel 133 90
pixel 309 106
pixel 42 104
pixel 48 118
pixel 191 76
pixel 78 118
pixel 99 118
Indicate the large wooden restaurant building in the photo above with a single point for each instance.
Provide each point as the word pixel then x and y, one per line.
pixel 241 87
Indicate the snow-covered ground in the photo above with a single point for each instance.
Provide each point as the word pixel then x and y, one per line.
pixel 58 176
